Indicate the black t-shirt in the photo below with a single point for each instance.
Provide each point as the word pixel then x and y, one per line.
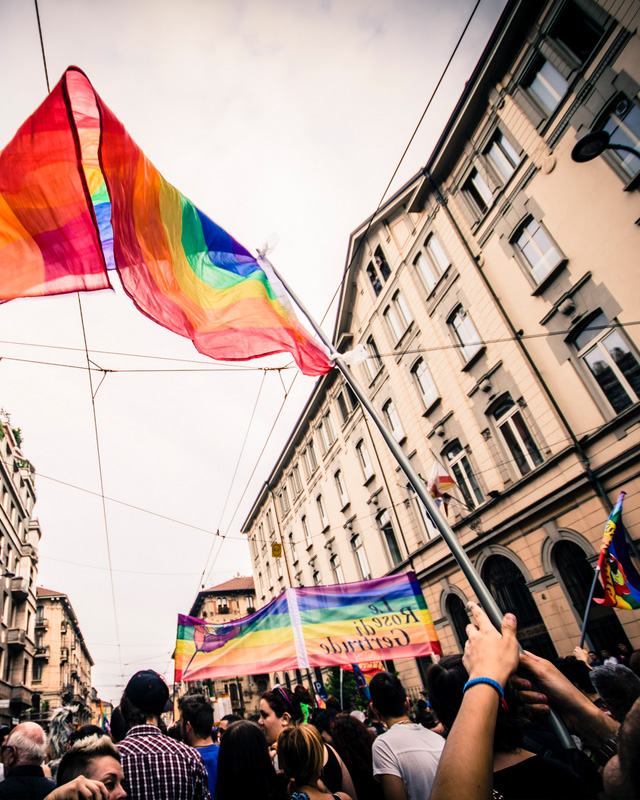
pixel 540 778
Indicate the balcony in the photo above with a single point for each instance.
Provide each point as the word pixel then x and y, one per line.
pixel 21 697
pixel 19 589
pixel 64 654
pixel 42 651
pixel 16 638
pixel 42 623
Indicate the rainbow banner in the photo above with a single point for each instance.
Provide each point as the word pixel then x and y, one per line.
pixel 78 196
pixel 620 578
pixel 318 626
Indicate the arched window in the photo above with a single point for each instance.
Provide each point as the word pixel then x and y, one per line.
pixel 458 617
pixel 604 630
pixel 508 586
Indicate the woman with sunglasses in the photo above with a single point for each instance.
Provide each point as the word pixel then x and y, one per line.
pixel 281 708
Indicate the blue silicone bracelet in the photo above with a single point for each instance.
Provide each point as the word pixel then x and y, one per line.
pixel 488 681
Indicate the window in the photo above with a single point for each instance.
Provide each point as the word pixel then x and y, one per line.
pixel 292 548
pixel 436 253
pixel 261 584
pixel 317 578
pixel 503 155
pixel 623 125
pixel 516 436
pixel 322 512
pixel 336 568
pixel 364 459
pixel 393 420
pixel 40 615
pixel 361 557
pixel 393 323
pixel 384 522
pixel 254 549
pixel 270 523
pixel 465 333
pixel 374 278
pixel 284 501
pixel 342 407
pixel 460 468
pixel 424 382
pixel 353 400
pixel 305 531
pixel 381 263
pixel 342 489
pixel 374 363
pixel 249 601
pixel 328 427
pixel 611 362
pixel 537 252
pixel 37 670
pixel 278 562
pixel 425 271
pixel 378 270
pixel 309 459
pixel 476 189
pixel 402 310
pixel 577 31
pixel 295 480
pixel 269 578
pixel 222 603
pixel 261 538
pixel 546 84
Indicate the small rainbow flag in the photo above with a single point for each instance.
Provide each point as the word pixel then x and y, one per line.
pixel 620 578
pixel 78 196
pixel 315 626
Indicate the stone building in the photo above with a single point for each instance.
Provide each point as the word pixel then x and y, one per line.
pixel 62 662
pixel 497 295
pixel 19 539
pixel 217 605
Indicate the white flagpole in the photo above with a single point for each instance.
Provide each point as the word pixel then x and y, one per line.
pixel 464 562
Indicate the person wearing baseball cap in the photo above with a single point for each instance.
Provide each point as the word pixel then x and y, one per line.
pixel 155 766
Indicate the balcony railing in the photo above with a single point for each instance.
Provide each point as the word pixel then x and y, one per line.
pixel 42 622
pixel 42 651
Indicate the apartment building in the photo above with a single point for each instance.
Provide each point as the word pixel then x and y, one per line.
pixel 217 605
pixel 19 539
pixel 62 662
pixel 497 295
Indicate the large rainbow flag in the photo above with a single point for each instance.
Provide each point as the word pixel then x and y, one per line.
pixel 78 196
pixel 319 626
pixel 620 578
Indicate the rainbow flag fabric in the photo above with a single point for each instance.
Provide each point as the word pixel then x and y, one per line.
pixel 620 578
pixel 78 196
pixel 319 626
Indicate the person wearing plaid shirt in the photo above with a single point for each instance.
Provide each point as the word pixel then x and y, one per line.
pixel 155 766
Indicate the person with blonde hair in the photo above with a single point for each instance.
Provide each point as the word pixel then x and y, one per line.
pixel 301 755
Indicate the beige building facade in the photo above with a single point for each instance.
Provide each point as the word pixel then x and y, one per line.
pixel 497 294
pixel 217 605
pixel 19 539
pixel 62 662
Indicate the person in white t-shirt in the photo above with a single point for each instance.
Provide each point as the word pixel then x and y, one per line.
pixel 406 757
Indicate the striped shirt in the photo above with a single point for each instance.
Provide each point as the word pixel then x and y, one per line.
pixel 157 767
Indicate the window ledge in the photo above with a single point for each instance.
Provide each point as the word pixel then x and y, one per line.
pixel 480 351
pixel 407 330
pixel 634 183
pixel 550 278
pixel 345 506
pixel 309 547
pixel 369 479
pixel 295 563
pixel 326 528
pixel 432 406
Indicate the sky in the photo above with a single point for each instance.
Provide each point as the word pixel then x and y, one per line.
pixel 283 121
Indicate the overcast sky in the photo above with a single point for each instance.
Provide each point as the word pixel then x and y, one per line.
pixel 275 117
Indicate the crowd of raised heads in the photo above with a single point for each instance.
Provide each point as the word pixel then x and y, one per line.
pixel 480 732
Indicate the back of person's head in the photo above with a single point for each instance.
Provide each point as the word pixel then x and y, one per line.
pixel 388 695
pixel 618 686
pixel 577 672
pixel 118 725
pixel 333 702
pixel 30 743
pixel 352 740
pixel 634 663
pixel 198 711
pixel 282 700
pixel 77 760
pixel 231 718
pixel 323 718
pixel 445 684
pixel 84 732
pixel 245 769
pixel 301 755
pixel 144 697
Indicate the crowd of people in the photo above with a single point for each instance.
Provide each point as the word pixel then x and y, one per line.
pixel 479 735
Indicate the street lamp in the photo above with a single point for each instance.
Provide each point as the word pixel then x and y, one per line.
pixel 594 144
